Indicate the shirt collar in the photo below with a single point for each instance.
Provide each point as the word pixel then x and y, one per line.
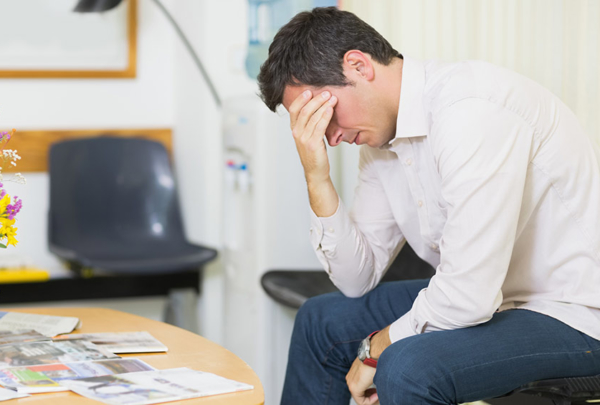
pixel 411 114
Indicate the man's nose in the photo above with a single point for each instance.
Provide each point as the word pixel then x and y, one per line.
pixel 335 136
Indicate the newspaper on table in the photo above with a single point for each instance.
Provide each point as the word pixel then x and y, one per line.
pixel 120 342
pixel 35 353
pixel 5 394
pixel 45 378
pixel 9 337
pixel 153 387
pixel 47 325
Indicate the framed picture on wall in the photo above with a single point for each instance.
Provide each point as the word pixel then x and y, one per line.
pixel 47 39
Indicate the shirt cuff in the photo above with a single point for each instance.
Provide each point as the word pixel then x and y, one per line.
pixel 402 328
pixel 327 231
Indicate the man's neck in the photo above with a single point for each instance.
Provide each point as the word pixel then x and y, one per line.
pixel 397 90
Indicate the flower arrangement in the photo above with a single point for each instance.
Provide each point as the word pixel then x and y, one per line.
pixel 8 210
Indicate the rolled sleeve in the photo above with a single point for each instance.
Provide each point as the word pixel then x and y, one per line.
pixel 326 232
pixel 356 248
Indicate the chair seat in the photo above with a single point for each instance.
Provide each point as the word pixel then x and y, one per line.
pixel 565 390
pixel 292 288
pixel 140 256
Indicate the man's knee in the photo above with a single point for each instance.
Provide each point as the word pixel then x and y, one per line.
pixel 316 311
pixel 410 372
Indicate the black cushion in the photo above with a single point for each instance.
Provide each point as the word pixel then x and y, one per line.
pixel 293 287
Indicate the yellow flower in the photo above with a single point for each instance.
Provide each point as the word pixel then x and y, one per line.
pixel 6 222
pixel 3 203
pixel 9 233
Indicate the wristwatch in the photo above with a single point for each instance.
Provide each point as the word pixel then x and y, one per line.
pixel 364 351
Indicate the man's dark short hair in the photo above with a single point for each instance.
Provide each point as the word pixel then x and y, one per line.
pixel 309 50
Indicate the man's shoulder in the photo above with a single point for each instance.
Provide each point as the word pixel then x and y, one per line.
pixel 449 83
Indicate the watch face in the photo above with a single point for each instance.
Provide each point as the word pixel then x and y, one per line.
pixel 362 350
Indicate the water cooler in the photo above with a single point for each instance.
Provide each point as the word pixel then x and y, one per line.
pixel 266 227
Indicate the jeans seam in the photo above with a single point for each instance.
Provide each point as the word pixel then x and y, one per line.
pixel 328 389
pixel 513 358
pixel 324 361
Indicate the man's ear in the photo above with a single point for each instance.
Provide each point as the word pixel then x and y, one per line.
pixel 358 65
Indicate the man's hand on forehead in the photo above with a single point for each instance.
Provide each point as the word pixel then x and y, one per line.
pixel 308 103
pixel 310 115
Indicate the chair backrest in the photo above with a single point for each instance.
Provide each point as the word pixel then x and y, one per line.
pixel 111 190
pixel 408 266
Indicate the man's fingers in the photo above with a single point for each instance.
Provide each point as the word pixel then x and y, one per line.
pixel 319 121
pixel 305 114
pixel 323 123
pixel 297 105
pixel 371 397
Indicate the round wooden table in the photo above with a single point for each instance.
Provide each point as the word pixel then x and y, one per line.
pixel 186 349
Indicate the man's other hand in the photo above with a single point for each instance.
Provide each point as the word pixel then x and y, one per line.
pixel 360 380
pixel 309 119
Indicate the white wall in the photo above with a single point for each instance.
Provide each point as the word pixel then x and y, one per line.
pixel 144 102
pixel 218 33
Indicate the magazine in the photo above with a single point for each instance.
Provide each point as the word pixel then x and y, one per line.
pixel 9 337
pixel 47 325
pixel 152 387
pixel 31 354
pixel 120 342
pixel 5 394
pixel 44 378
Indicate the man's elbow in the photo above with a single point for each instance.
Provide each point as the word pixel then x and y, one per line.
pixel 354 291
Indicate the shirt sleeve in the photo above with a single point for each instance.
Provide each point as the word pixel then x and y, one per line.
pixel 482 152
pixel 357 248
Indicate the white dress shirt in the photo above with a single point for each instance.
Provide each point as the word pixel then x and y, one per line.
pixel 490 179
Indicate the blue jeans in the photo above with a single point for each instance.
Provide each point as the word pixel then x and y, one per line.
pixel 514 348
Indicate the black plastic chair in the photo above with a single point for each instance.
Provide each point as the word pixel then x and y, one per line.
pixel 114 207
pixel 564 391
pixel 292 288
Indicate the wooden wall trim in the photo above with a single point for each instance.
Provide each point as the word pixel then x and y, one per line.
pixel 128 73
pixel 33 146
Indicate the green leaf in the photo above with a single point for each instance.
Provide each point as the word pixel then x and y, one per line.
pixel 3 246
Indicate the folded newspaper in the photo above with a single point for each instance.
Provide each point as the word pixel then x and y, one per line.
pixel 10 337
pixel 45 378
pixel 153 387
pixel 31 354
pixel 47 325
pixel 120 342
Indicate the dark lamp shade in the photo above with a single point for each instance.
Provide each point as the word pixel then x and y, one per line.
pixel 91 6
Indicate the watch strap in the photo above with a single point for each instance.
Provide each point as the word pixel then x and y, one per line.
pixel 371 362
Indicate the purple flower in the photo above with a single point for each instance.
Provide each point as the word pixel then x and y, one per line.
pixel 13 209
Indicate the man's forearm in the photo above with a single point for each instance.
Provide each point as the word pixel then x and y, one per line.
pixel 323 197
pixel 380 342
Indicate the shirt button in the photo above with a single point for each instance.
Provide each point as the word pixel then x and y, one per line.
pixel 331 230
pixel 310 230
pixel 434 246
pixel 409 161
pixel 420 203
